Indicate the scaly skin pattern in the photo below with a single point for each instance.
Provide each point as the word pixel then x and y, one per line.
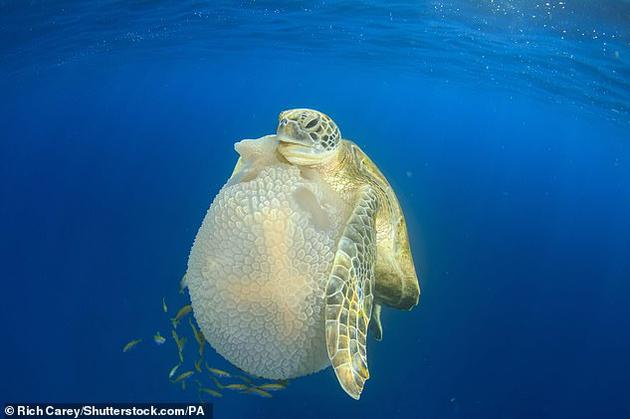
pixel 396 280
pixel 349 295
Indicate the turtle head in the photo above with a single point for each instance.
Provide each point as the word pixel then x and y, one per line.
pixel 307 137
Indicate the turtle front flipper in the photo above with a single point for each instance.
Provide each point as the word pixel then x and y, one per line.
pixel 349 295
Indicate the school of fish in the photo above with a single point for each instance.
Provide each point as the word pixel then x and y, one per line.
pixel 239 383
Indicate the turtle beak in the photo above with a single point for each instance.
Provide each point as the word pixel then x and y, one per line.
pixel 295 145
pixel 289 133
pixel 288 139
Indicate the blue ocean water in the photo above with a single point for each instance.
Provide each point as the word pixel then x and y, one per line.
pixel 502 125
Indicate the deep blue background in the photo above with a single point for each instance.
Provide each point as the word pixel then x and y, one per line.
pixel 518 208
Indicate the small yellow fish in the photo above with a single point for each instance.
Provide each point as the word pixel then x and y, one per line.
pixel 198 365
pixel 272 386
pixel 183 376
pixel 182 284
pixel 210 392
pixel 217 372
pixel 180 344
pixel 131 344
pixel 173 371
pixel 236 386
pixel 259 392
pixel 201 340
pixel 164 308
pixel 216 382
pixel 180 314
pixel 158 338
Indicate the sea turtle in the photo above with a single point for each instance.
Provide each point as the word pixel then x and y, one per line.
pixel 298 252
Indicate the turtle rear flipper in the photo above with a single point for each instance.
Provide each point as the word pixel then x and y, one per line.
pixel 375 323
pixel 349 295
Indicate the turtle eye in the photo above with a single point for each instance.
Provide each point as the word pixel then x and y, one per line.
pixel 312 123
pixel 283 122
